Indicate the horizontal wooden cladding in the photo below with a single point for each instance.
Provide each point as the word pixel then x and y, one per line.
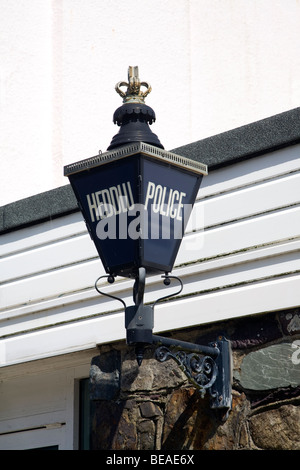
pixel 41 234
pixel 42 437
pixel 248 172
pixel 82 335
pixel 38 402
pixel 245 230
pixel 271 295
pixel 259 199
pixel 222 241
pixel 48 257
pixel 220 274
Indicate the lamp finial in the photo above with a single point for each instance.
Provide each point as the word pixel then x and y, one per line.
pixel 134 94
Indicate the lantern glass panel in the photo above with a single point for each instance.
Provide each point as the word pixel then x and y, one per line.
pixel 136 209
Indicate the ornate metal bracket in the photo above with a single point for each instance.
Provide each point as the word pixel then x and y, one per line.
pixel 208 368
pixel 200 370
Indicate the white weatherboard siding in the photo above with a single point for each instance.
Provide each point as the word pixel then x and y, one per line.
pixel 240 256
pixel 39 402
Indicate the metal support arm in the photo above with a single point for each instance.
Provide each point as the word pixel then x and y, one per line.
pixel 208 368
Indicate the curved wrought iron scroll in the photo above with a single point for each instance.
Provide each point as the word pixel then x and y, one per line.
pixel 111 280
pixel 200 370
pixel 167 282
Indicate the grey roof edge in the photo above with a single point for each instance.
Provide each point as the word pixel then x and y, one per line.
pixel 37 209
pixel 251 140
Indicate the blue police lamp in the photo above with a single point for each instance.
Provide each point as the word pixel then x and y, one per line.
pixel 136 200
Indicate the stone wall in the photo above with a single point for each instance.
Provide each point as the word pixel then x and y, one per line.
pixel 154 407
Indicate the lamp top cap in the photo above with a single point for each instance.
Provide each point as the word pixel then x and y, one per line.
pixel 134 94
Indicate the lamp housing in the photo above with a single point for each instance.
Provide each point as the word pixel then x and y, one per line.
pixel 136 201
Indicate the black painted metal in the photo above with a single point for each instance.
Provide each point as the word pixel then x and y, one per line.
pixel 206 367
pixel 139 321
pixel 200 370
pixel 134 120
pixel 221 390
pixel 184 345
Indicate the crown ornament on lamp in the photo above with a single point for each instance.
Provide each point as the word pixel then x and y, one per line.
pixel 134 116
pixel 134 94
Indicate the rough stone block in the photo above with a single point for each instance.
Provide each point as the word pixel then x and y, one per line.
pixel 151 375
pixel 270 367
pixel 149 410
pixel 146 435
pixel 105 376
pixel 290 322
pixel 277 429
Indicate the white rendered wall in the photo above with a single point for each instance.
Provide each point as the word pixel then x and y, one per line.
pixel 213 66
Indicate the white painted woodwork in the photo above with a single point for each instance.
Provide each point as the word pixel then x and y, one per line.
pixel 39 403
